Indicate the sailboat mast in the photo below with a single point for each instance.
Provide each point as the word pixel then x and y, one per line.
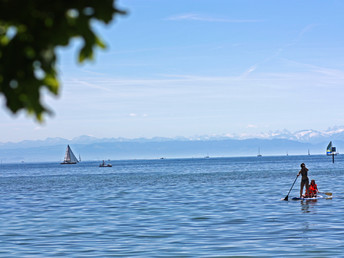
pixel 259 155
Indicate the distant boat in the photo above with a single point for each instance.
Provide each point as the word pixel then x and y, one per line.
pixel 69 157
pixel 309 153
pixel 259 155
pixel 330 150
pixel 105 165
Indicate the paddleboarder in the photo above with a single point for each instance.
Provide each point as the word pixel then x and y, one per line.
pixel 304 179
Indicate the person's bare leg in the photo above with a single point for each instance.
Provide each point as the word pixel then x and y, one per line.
pixel 301 189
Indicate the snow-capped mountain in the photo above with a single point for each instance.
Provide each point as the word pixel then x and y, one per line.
pixel 310 136
pixel 304 136
pixel 92 148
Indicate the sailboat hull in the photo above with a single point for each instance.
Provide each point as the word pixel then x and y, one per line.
pixel 67 163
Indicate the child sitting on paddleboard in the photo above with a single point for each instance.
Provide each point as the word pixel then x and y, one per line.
pixel 313 189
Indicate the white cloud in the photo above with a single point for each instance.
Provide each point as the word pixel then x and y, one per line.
pixel 137 115
pixel 91 85
pixel 199 17
pixel 250 70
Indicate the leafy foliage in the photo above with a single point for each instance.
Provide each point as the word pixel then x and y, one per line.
pixel 30 32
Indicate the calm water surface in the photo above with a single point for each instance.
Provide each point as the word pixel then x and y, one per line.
pixel 213 207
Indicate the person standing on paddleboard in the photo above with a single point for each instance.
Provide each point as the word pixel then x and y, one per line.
pixel 304 179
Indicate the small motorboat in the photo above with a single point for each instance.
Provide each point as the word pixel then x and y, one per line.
pixel 105 165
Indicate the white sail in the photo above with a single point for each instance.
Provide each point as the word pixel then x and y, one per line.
pixel 69 157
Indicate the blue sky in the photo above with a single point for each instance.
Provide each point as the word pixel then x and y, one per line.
pixel 188 68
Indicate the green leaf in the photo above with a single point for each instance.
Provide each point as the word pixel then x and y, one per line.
pixel 28 51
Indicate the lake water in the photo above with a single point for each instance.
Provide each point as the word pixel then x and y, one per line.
pixel 213 207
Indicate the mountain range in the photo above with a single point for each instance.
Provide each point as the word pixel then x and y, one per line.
pixel 92 148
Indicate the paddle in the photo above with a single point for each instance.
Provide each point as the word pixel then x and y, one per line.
pixel 329 194
pixel 286 198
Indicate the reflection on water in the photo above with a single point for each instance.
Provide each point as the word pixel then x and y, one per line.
pixel 308 205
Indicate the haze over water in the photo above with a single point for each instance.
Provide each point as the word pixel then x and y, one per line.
pixel 181 207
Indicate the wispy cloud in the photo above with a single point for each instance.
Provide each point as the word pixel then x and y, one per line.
pixel 320 70
pixel 204 18
pixel 91 85
pixel 301 34
pixel 137 115
pixel 172 83
pixel 248 71
pixel 278 51
pixel 38 128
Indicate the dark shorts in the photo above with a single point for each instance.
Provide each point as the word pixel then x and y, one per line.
pixel 305 182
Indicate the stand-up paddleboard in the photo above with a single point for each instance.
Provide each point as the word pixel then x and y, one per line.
pixel 311 198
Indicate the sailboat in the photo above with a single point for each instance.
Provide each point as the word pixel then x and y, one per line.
pixel 69 157
pixel 259 155
pixel 331 150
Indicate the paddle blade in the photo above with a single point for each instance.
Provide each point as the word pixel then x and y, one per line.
pixel 286 198
pixel 329 194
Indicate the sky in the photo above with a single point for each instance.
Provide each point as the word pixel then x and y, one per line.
pixel 197 67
